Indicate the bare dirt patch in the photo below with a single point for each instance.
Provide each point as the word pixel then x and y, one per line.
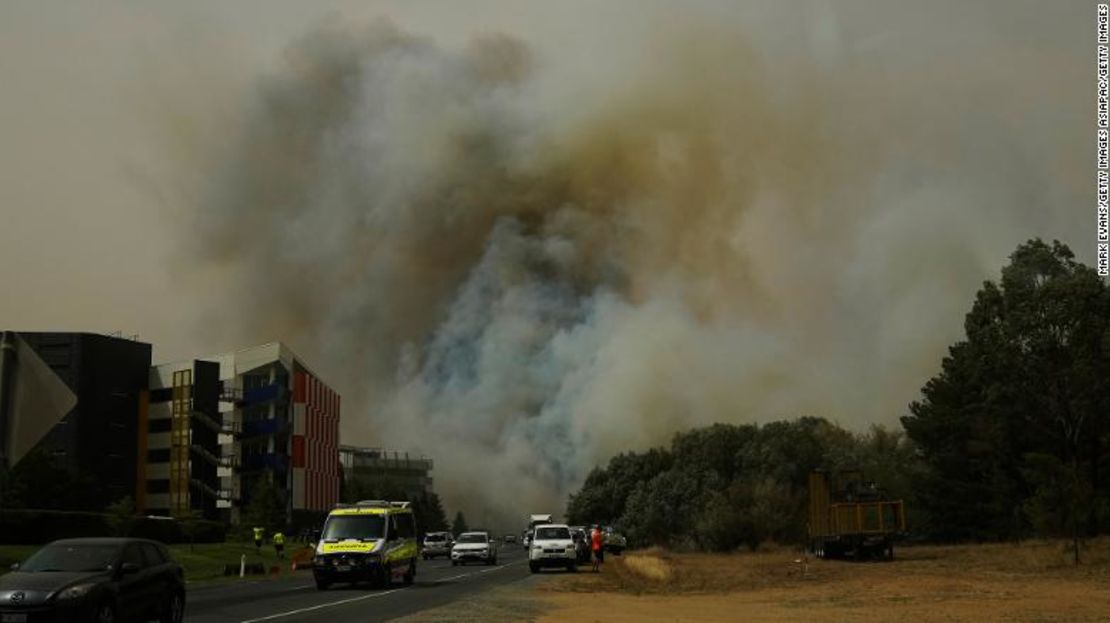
pixel 998 582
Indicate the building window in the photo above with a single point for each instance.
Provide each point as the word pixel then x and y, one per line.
pixel 161 455
pixel 161 395
pixel 158 486
pixel 161 425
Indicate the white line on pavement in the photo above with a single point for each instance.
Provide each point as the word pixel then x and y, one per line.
pixel 354 599
pixel 321 606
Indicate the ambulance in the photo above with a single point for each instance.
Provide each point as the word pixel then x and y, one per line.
pixel 370 541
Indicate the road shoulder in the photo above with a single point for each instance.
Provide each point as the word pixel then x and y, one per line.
pixel 514 602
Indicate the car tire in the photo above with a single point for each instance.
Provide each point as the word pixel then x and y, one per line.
pixel 173 610
pixel 385 576
pixel 322 585
pixel 454 563
pixel 572 568
pixel 534 567
pixel 105 613
pixel 410 575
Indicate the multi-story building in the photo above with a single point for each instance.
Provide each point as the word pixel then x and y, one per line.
pixel 274 421
pixel 180 452
pixel 99 437
pixel 412 473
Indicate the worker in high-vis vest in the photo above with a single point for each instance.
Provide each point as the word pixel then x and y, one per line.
pixel 258 539
pixel 279 543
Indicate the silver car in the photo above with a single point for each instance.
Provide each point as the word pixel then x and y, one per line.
pixel 438 544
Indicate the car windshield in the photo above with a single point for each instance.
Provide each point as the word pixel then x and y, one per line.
pixel 548 533
pixel 436 537
pixel 71 558
pixel 545 534
pixel 473 538
pixel 343 527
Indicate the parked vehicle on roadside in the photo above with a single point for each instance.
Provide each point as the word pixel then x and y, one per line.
pixel 474 547
pixel 99 580
pixel 509 539
pixel 552 546
pixel 850 517
pixel 613 541
pixel 438 544
pixel 581 538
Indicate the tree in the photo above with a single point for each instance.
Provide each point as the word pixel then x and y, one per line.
pixel 459 526
pixel 431 517
pixel 1029 381
pixel 120 515
pixel 40 481
pixel 265 508
pixel 605 493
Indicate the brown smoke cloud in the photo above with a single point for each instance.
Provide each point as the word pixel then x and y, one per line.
pixel 521 265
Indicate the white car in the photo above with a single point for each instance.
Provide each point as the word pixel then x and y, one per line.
pixel 552 546
pixel 474 546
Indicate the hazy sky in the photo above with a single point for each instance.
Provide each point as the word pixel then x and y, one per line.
pixel 554 230
pixel 86 245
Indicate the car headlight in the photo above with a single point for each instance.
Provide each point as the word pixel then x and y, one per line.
pixel 76 592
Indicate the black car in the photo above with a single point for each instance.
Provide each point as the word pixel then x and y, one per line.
pixel 94 580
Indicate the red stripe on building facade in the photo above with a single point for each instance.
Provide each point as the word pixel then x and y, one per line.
pixel 318 448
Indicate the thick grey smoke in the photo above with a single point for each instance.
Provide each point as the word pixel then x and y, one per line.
pixel 522 266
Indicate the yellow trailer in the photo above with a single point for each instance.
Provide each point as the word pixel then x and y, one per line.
pixel 851 517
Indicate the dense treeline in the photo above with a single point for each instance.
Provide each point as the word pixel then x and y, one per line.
pixel 728 485
pixel 1007 441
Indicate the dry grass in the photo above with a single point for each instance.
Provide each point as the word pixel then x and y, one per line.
pixel 658 571
pixel 649 567
pixel 1032 581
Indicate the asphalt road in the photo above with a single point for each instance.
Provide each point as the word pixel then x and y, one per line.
pixel 296 600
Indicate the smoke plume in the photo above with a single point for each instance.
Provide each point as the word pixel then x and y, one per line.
pixel 521 266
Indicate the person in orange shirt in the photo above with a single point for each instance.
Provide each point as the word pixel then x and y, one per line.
pixel 597 547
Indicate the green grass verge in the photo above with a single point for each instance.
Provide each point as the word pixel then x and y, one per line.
pixel 203 562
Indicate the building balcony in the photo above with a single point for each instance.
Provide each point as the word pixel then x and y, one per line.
pixel 264 428
pixel 267 393
pixel 277 462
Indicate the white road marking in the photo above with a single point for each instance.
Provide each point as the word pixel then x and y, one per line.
pixel 319 607
pixel 363 597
